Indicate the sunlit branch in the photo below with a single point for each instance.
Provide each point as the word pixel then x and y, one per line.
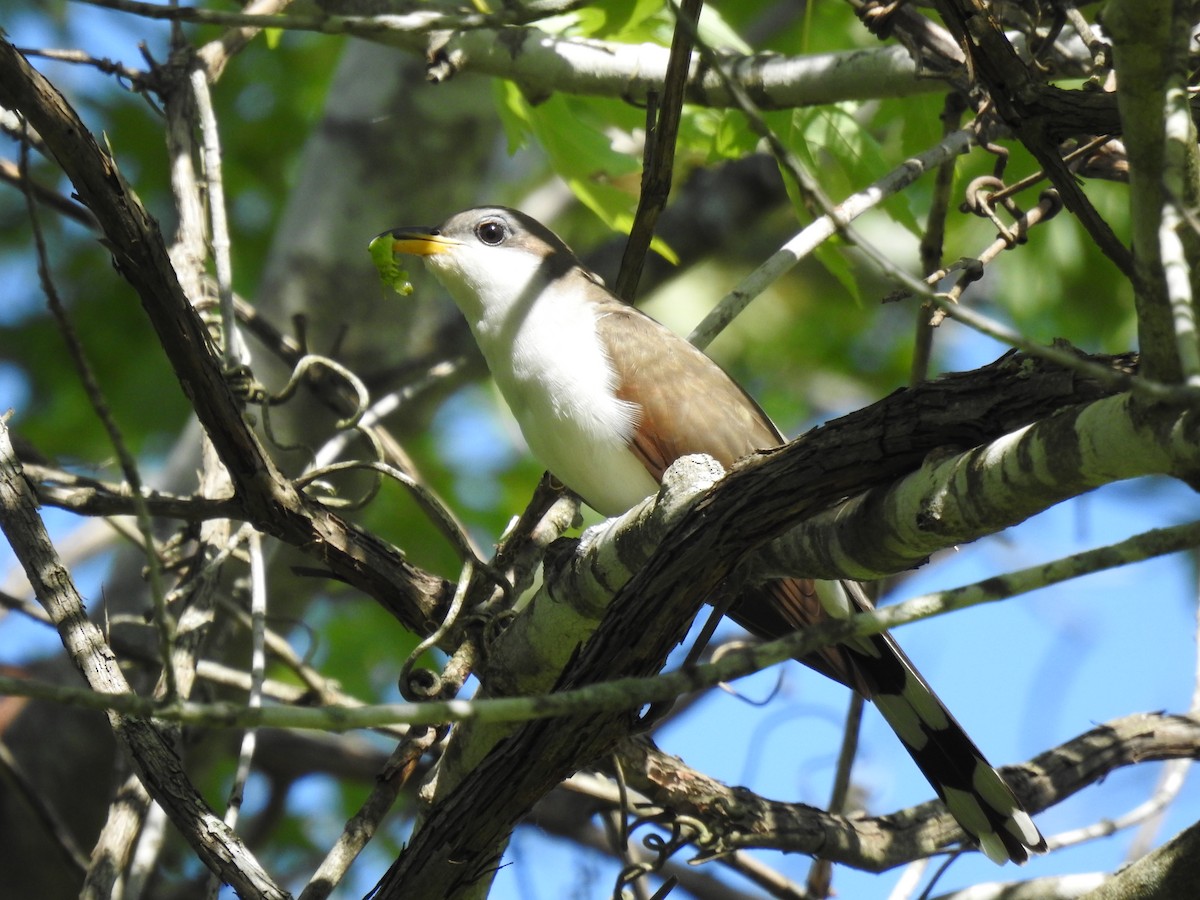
pixel 629 692
pixel 812 236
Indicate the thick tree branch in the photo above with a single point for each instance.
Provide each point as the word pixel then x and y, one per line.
pixel 957 499
pixel 647 617
pixel 543 63
pixel 953 412
pixel 738 819
pixel 1170 872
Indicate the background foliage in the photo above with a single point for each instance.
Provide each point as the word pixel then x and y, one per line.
pixel 328 140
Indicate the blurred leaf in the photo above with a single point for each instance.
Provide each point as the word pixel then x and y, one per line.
pixel 717 33
pixel 630 21
pixel 580 136
pixel 836 264
pixel 732 136
pixel 831 140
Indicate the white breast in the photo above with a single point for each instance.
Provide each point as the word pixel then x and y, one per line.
pixel 558 382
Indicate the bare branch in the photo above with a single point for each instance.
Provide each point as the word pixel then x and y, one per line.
pixel 543 63
pixel 160 767
pixel 739 819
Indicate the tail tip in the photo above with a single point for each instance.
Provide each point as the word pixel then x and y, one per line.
pixel 1021 840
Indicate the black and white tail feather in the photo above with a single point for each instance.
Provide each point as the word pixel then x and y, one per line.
pixel 974 792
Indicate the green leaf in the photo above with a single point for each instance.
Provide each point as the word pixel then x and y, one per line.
pixel 833 141
pixel 580 137
pixel 834 260
pixel 514 114
pixel 716 32
pixel 733 137
pixel 631 21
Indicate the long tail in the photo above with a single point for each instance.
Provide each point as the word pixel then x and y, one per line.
pixel 974 792
pixel 978 798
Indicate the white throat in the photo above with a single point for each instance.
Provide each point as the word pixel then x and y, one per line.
pixel 541 345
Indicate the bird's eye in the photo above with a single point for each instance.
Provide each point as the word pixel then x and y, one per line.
pixel 490 231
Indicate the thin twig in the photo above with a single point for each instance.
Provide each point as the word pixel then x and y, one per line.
pixel 1046 209
pixel 823 228
pixel 300 373
pixel 10 172
pixel 910 879
pixel 933 238
pixel 659 159
pixel 135 77
pixel 371 424
pixel 438 513
pixel 258 663
pixel 216 53
pixel 92 497
pixel 32 610
pixel 163 620
pixel 249 742
pixel 461 590
pixel 1151 390
pixel 44 816
pixel 281 651
pixel 154 833
pixel 809 188
pixel 363 824
pixel 232 348
pixel 820 874
pixel 16 127
pixel 1030 180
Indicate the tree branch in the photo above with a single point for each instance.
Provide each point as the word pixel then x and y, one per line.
pixel 269 500
pixel 162 772
pixel 1040 115
pixel 739 819
pixel 1169 872
pixel 1150 48
pixel 648 616
pixel 543 63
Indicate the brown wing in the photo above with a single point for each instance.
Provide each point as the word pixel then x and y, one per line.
pixel 688 404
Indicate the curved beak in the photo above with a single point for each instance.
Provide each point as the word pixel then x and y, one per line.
pixel 418 240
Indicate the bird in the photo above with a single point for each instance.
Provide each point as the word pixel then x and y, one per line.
pixel 607 398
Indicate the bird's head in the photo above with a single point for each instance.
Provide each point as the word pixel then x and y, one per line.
pixel 490 258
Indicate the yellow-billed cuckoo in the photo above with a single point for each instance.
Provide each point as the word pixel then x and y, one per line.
pixel 608 398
